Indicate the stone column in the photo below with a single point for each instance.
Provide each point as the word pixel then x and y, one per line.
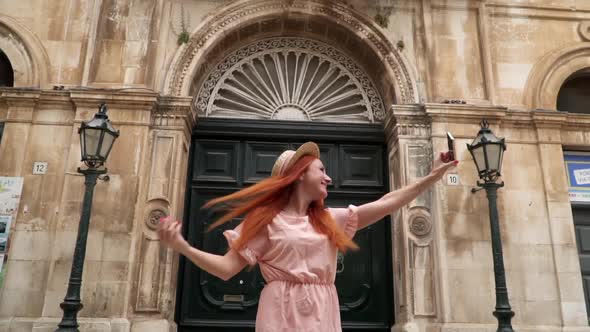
pixel 414 250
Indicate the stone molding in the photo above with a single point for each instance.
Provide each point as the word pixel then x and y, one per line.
pixel 166 112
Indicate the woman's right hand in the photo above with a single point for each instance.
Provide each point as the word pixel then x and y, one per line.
pixel 223 267
pixel 442 165
pixel 170 236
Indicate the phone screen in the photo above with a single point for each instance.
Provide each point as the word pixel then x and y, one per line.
pixel 451 145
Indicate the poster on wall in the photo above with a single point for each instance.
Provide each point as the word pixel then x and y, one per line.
pixel 2 258
pixel 5 221
pixel 10 193
pixel 577 166
pixel 10 190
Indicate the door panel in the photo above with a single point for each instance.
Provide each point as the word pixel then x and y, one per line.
pixel 359 163
pixel 260 157
pixel 224 161
pixel 217 162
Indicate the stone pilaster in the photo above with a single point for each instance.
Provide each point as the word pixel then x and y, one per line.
pixel 162 191
pixel 408 131
pixel 17 115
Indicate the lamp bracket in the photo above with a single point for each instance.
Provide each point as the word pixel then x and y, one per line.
pixel 484 184
pixel 474 190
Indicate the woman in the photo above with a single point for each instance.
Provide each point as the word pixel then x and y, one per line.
pixel 294 239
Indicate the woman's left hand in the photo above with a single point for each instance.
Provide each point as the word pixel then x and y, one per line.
pixel 442 164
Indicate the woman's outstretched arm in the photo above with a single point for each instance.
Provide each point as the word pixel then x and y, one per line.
pixel 374 211
pixel 223 267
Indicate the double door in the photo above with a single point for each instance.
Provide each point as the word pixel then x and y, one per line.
pixel 229 155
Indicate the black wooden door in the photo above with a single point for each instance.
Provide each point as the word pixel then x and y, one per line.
pixel 227 155
pixel 582 226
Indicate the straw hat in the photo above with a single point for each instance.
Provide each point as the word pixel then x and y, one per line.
pixel 290 157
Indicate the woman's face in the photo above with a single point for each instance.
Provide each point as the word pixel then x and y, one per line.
pixel 315 181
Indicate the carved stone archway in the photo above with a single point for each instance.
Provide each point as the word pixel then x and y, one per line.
pixel 243 20
pixel 27 56
pixel 549 74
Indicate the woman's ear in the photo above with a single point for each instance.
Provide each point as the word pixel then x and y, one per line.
pixel 301 178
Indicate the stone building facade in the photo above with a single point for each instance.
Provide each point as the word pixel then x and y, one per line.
pixel 416 68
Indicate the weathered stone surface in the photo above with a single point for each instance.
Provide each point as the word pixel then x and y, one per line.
pixel 444 65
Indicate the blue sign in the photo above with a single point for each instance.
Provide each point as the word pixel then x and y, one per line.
pixel 577 165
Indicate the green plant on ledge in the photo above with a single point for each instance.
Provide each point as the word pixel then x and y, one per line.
pixel 382 16
pixel 400 45
pixel 183 36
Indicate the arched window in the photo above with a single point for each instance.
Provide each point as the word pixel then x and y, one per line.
pixel 6 72
pixel 574 95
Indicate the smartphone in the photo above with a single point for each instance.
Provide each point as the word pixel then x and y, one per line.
pixel 451 144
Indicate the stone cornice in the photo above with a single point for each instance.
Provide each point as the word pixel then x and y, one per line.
pixel 124 99
pixel 407 121
pixel 20 103
pixel 410 116
pixel 20 96
pixel 577 122
pixel 409 110
pixel 464 113
pixel 55 99
pixel 165 112
pixel 171 112
pixel 548 119
pixel 174 113
pixel 517 119
pixel 119 98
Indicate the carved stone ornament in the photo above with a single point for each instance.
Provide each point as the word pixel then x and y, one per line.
pixel 290 78
pixel 154 218
pixel 420 226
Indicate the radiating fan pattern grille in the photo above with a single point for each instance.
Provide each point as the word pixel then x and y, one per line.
pixel 290 79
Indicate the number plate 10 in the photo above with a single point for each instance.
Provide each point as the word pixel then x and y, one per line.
pixel 453 179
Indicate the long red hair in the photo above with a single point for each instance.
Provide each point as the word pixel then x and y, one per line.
pixel 261 202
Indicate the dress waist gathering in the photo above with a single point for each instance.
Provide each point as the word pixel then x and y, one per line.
pixel 298 282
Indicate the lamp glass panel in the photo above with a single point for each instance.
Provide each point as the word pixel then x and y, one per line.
pixel 92 138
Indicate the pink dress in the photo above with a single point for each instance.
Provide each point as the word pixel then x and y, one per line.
pixel 299 267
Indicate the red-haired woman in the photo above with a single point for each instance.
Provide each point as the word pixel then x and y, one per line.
pixel 294 239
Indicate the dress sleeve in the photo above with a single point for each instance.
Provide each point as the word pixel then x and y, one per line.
pixel 346 218
pixel 253 251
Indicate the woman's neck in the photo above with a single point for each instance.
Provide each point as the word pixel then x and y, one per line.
pixel 298 204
